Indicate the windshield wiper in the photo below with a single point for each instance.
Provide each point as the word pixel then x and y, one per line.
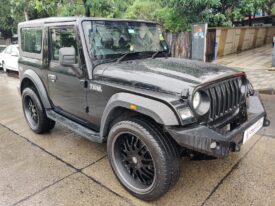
pixel 122 57
pixel 118 60
pixel 159 52
pixel 155 54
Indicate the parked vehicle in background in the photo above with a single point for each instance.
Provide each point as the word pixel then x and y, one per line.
pixel 2 47
pixel 112 81
pixel 9 58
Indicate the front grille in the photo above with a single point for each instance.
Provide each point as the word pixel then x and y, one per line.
pixel 225 98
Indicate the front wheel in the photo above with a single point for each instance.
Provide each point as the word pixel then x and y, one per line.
pixel 145 161
pixel 35 113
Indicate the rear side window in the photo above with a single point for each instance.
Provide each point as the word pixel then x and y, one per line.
pixel 31 40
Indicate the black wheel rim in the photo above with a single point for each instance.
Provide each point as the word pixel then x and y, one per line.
pixel 31 111
pixel 134 162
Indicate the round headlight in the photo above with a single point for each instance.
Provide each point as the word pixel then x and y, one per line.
pixel 201 103
pixel 196 100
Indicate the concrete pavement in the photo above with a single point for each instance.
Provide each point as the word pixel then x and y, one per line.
pixel 61 168
pixel 257 63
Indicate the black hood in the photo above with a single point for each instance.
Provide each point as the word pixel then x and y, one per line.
pixel 163 74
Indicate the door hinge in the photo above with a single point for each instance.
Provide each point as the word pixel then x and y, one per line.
pixel 87 109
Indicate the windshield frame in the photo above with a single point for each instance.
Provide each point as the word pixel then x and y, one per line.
pixel 141 54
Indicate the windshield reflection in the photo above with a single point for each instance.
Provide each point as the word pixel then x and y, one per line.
pixel 112 39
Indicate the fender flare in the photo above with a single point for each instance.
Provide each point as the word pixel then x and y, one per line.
pixel 35 79
pixel 157 110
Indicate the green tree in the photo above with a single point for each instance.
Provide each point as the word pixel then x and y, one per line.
pixel 70 8
pixel 33 9
pixel 269 7
pixel 175 15
pixel 99 8
pixel 144 9
pixel 120 8
pixel 7 23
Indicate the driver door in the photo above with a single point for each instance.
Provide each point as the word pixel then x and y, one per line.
pixel 66 88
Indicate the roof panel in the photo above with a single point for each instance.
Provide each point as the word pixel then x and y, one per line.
pixel 43 21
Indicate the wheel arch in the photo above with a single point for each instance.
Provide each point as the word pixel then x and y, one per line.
pixel 120 104
pixel 31 79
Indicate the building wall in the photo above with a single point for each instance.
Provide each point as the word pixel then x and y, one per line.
pixel 5 41
pixel 179 44
pixel 237 39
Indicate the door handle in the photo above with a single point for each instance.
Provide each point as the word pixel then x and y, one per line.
pixel 52 77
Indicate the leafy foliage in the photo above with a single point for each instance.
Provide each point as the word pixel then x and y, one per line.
pixel 6 21
pixel 175 15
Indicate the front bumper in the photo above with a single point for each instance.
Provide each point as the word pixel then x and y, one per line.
pixel 200 137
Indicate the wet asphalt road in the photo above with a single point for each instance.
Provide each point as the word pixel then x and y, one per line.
pixel 61 168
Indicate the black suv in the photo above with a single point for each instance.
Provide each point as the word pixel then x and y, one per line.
pixel 113 81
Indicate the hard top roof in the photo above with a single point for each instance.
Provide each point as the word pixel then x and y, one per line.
pixel 72 19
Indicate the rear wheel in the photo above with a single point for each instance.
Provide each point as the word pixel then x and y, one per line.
pixel 35 113
pixel 144 160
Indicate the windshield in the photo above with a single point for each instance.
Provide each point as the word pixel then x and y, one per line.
pixel 111 39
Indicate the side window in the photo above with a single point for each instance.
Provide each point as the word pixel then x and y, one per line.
pixel 31 40
pixel 14 50
pixel 62 37
pixel 8 50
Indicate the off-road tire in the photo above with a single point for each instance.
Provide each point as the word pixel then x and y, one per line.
pixel 162 148
pixel 42 124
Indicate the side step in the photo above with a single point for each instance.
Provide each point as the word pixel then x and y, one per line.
pixel 77 128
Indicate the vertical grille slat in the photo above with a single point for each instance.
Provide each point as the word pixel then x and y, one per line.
pixel 237 91
pixel 214 102
pixel 224 97
pixel 211 103
pixel 228 91
pixel 233 94
pixel 223 91
pixel 220 100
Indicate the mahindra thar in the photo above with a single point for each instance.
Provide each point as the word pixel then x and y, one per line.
pixel 113 81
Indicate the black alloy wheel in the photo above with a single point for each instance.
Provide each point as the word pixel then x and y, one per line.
pixel 31 111
pixel 135 161
pixel 34 112
pixel 144 159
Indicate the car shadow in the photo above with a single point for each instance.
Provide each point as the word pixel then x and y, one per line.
pixel 13 74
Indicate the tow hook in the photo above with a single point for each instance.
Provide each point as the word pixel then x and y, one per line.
pixel 235 147
pixel 266 122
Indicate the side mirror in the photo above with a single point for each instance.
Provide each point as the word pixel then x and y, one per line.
pixel 67 58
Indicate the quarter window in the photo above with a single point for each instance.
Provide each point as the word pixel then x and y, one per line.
pixel 31 40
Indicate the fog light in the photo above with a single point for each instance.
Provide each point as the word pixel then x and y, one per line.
pixel 213 145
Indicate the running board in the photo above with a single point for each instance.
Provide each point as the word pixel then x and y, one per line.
pixel 75 127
